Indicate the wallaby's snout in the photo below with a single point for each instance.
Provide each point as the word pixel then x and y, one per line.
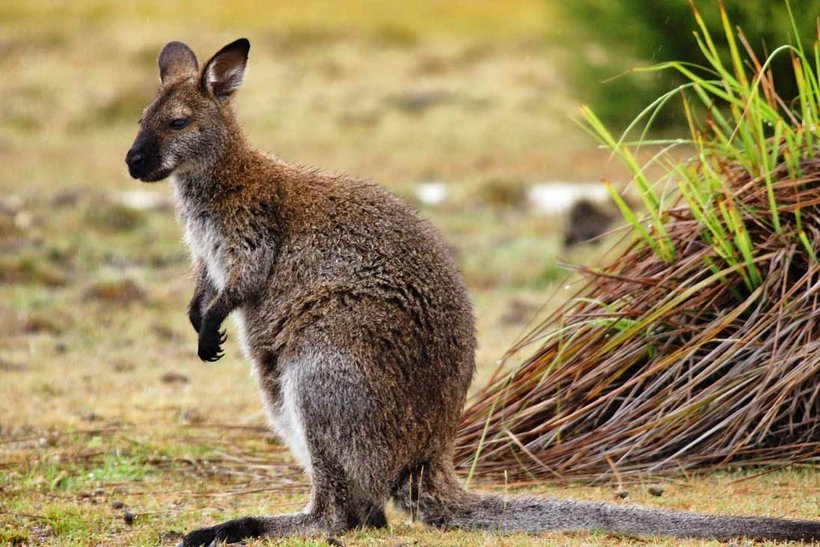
pixel 186 127
pixel 143 159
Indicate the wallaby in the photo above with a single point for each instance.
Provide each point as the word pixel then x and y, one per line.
pixel 357 324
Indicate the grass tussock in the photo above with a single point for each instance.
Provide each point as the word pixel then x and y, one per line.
pixel 696 346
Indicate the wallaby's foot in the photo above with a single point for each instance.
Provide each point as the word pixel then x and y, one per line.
pixel 235 531
pixel 210 343
pixel 232 531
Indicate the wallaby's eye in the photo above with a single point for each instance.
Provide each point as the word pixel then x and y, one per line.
pixel 179 123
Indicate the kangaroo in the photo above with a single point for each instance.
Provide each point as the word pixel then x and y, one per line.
pixel 356 322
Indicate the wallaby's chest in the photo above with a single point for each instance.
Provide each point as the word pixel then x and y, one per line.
pixel 206 240
pixel 207 243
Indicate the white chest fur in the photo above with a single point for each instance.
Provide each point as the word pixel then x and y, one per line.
pixel 203 238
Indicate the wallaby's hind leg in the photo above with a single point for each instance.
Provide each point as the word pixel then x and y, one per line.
pixel 337 502
pixel 326 514
pixel 234 531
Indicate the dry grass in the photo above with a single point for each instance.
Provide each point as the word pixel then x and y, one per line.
pixel 695 347
pixel 76 488
pixel 664 366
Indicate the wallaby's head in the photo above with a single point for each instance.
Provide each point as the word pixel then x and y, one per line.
pixel 190 121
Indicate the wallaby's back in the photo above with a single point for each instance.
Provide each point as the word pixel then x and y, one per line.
pixel 359 272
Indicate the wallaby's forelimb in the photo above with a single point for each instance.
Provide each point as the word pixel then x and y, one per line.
pixel 245 279
pixel 204 292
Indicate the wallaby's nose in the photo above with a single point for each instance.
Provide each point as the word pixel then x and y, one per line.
pixel 134 158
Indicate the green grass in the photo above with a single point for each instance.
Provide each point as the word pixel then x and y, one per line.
pixel 77 488
pixel 736 121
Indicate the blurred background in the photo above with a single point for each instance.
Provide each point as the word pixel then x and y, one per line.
pixel 464 107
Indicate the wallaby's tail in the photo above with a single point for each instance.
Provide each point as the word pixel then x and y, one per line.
pixel 440 500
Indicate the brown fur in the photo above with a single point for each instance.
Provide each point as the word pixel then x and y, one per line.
pixel 356 321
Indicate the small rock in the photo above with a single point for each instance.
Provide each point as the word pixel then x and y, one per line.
pixel 174 378
pixel 129 517
pixel 621 493
pixel 117 504
pixel 656 490
pixel 587 220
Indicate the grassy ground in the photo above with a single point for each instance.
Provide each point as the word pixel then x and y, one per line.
pixel 103 399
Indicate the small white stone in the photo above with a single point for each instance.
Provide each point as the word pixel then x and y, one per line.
pixel 431 193
pixel 554 198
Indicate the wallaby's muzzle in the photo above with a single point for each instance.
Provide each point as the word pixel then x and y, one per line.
pixel 135 159
pixel 143 160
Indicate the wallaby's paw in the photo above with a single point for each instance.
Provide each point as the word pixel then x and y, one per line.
pixel 232 531
pixel 210 345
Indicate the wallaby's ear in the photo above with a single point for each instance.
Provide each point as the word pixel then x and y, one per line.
pixel 176 60
pixel 223 74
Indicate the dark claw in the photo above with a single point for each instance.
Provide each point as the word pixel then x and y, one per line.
pixel 211 354
pixel 210 346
